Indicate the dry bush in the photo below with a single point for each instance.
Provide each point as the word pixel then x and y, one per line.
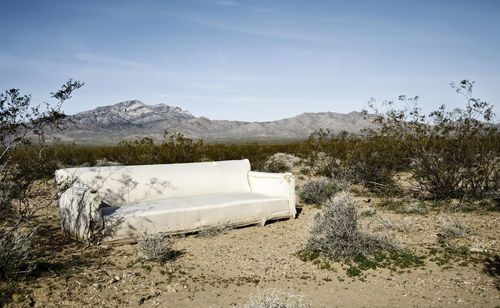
pixel 23 162
pixel 454 228
pixel 321 189
pixel 156 246
pixel 281 162
pixel 273 298
pixel 336 235
pixel 15 254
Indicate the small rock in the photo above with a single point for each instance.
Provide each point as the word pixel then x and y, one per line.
pixel 128 275
pixel 477 249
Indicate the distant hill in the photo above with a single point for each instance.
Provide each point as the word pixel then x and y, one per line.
pixel 133 119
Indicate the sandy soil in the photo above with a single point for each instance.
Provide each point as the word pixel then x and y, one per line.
pixel 228 269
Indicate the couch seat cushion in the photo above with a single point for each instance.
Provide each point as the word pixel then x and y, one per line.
pixel 191 213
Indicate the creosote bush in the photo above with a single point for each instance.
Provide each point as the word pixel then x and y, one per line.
pixel 336 235
pixel 448 153
pixel 156 246
pixel 451 154
pixel 321 189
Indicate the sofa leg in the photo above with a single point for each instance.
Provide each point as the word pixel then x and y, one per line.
pixel 262 222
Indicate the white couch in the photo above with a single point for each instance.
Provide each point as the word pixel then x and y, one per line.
pixel 120 203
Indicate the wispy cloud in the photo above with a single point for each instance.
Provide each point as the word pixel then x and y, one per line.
pixel 107 60
pixel 15 63
pixel 254 30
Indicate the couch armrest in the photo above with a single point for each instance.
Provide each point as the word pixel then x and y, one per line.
pixel 80 216
pixel 274 184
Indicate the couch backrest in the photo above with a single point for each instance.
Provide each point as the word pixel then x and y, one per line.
pixel 121 185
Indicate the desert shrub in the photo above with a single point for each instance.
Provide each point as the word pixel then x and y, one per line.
pixel 156 246
pixel 24 160
pixel 451 154
pixel 454 228
pixel 306 170
pixel 336 235
pixel 319 190
pixel 276 299
pixel 15 254
pixel 281 162
pixel 371 160
pixel 319 162
pixel 173 148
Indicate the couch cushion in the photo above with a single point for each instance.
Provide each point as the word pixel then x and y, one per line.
pixel 122 185
pixel 193 213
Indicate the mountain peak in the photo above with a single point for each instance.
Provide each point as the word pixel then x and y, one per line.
pixel 130 103
pixel 129 113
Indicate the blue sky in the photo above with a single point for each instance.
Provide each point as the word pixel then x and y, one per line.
pixel 251 60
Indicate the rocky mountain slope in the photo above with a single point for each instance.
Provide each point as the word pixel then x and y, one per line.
pixel 135 120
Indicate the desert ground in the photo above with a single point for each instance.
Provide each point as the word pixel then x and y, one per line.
pixel 232 267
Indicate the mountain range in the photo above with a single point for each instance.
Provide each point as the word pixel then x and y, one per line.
pixel 133 120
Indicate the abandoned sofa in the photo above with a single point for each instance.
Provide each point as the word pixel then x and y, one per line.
pixel 121 203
